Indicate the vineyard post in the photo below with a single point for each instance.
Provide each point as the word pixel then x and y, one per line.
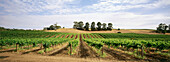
pixel 142 50
pixel 102 50
pixel 45 47
pixel 41 45
pixel 70 48
pixel 28 47
pixel 16 47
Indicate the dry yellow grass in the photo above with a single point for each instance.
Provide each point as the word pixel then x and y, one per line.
pixel 70 30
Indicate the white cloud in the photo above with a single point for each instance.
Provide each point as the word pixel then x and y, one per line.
pixel 125 1
pixel 33 6
pixel 117 5
pixel 120 20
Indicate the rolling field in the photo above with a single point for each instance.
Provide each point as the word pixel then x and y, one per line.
pixel 36 46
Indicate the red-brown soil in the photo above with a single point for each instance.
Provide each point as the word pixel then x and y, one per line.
pixel 57 36
pixel 95 36
pixel 87 35
pixel 84 36
pixel 71 36
pixel 47 36
pixel 62 36
pixel 76 36
pixel 91 36
pixel 52 36
pixel 67 36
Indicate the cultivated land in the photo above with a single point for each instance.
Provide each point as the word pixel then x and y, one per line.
pixel 70 45
pixel 140 31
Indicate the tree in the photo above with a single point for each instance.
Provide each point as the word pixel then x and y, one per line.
pixel 104 26
pixel 80 25
pixel 87 26
pixel 162 28
pixel 93 26
pixel 75 26
pixel 99 26
pixel 109 26
pixel 57 27
pixel 45 28
pixel 165 28
pixel 169 28
pixel 52 27
pixel 118 29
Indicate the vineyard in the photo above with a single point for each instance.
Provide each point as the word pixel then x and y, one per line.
pixel 104 46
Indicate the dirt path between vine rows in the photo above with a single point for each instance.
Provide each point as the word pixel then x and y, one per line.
pixel 15 57
pixel 85 50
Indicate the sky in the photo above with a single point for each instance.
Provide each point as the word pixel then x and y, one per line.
pixel 123 14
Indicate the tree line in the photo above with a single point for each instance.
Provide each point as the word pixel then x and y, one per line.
pixel 52 27
pixel 100 26
pixel 162 28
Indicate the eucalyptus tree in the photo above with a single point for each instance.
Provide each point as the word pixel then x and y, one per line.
pixel 104 26
pixel 75 26
pixel 169 27
pixel 87 26
pixel 99 26
pixel 80 25
pixel 109 26
pixel 93 26
pixel 162 28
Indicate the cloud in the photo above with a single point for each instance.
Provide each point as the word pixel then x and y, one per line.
pixel 53 7
pixel 25 7
pixel 37 14
pixel 120 5
pixel 125 1
pixel 120 20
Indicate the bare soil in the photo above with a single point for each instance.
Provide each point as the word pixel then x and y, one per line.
pixel 67 36
pixel 86 51
pixel 76 36
pixel 60 52
pixel 84 36
pixel 47 36
pixel 158 57
pixel 16 57
pixel 95 36
pixel 140 31
pixel 91 36
pixel 52 36
pixel 57 36
pixel 87 35
pixel 62 36
pixel 98 36
pixel 71 36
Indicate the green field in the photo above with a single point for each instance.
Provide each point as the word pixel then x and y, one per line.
pixel 138 46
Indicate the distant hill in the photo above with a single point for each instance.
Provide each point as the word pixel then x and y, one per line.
pixel 140 31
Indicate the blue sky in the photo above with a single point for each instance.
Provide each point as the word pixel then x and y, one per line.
pixel 125 14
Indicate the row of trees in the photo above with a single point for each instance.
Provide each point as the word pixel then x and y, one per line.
pixel 52 27
pixel 162 28
pixel 100 26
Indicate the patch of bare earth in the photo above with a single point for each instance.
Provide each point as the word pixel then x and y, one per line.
pixel 15 57
pixel 62 36
pixel 57 36
pixel 70 30
pixel 85 51
pixel 52 36
pixel 67 36
pixel 71 36
pixel 76 36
